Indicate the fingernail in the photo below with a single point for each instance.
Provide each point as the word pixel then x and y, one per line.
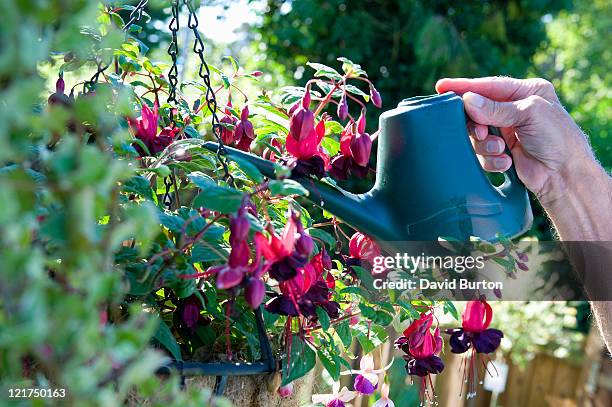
pixel 474 99
pixel 499 162
pixel 492 146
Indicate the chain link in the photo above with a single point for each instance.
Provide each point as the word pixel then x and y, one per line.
pixel 203 73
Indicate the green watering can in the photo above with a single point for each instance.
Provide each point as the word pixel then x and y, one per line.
pixel 429 183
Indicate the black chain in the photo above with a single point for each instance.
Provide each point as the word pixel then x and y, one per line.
pixel 167 198
pixel 203 73
pixel 136 14
pixel 173 52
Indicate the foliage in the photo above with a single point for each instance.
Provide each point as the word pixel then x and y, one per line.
pixel 576 59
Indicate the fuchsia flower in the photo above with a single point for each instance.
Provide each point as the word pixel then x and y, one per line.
pixel 145 129
pixel 366 381
pixel 384 400
pixel 244 133
pixel 422 347
pixel 337 398
pixel 375 96
pixel 476 335
pixel 286 390
pixel 228 126
pixel 355 150
pixel 301 121
pixel 362 249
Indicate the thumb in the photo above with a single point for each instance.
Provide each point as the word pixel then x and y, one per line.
pixel 490 112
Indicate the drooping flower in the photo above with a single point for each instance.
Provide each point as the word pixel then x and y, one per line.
pixel 375 96
pixel 475 336
pixel 228 126
pixel 254 291
pixel 244 133
pixel 337 398
pixel 301 121
pixel 342 108
pixel 422 347
pixel 309 157
pixel 362 250
pixel 366 381
pixel 145 129
pixel 384 400
pixel 354 153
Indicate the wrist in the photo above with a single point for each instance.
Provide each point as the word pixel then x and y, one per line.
pixel 573 180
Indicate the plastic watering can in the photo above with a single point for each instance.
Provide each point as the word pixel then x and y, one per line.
pixel 429 183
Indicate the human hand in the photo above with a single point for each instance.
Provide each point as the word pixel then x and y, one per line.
pixel 546 145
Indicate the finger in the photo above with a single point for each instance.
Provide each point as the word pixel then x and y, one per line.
pixel 477 131
pixel 499 88
pixel 491 146
pixel 485 111
pixel 497 163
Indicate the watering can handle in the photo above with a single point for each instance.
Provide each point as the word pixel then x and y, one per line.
pixel 511 174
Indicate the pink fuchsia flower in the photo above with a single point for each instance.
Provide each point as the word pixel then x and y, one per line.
pixel 244 133
pixel 361 143
pixel 422 347
pixel 145 129
pixel 384 400
pixel 301 122
pixel 363 247
pixel 475 335
pixel 228 126
pixel 342 108
pixel 286 390
pixel 337 398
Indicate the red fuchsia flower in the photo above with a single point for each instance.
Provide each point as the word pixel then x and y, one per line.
pixel 145 129
pixel 361 143
pixel 337 398
pixel 301 121
pixel 254 292
pixel 422 347
pixel 362 249
pixel 310 159
pixel 228 126
pixel 233 273
pixel 384 400
pixel 344 164
pixel 476 335
pixel 188 310
pixel 59 97
pixel 286 390
pixel 244 133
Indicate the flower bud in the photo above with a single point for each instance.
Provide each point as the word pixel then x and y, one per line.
pixel 239 228
pixel 60 85
pixel 256 74
pixel 375 96
pixel 304 245
pixel 254 292
pixel 325 259
pixel 301 123
pixel 227 127
pixel 522 256
pixel 522 266
pixel 361 147
pixel 343 108
pixel 361 122
pixel 286 390
pixel 229 277
pixel 240 254
pixel 244 128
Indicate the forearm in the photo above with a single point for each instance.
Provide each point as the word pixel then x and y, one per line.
pixel 580 206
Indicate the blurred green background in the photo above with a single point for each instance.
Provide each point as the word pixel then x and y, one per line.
pixel 407 45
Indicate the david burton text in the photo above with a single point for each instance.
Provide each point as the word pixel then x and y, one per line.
pixel 446 284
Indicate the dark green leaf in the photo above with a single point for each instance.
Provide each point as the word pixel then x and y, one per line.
pixel 164 336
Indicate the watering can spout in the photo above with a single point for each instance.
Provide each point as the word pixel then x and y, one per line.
pixel 357 209
pixel 429 183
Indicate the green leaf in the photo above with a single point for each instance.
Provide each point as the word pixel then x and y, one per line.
pixel 364 275
pixel 449 308
pixel 322 235
pixel 356 91
pixel 343 329
pixel 233 62
pixel 204 253
pixel 301 361
pixel 287 187
pixel 349 67
pixel 329 363
pixel 324 71
pixel 140 186
pixel 164 336
pixel 249 169
pixel 215 197
pixel 330 145
pixel 323 318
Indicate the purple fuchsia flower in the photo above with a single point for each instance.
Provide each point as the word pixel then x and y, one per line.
pixel 366 381
pixel 422 347
pixel 308 156
pixel 145 129
pixel 475 335
pixel 301 121
pixel 228 126
pixel 337 398
pixel 346 162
